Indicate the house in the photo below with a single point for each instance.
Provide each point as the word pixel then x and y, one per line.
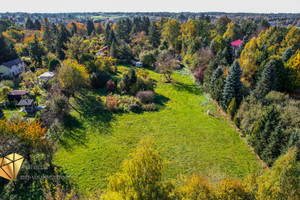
pixel 16 95
pixel 12 68
pixel 101 51
pixel 236 44
pixel 45 77
pixel 28 104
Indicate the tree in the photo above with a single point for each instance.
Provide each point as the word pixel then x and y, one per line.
pixel 165 65
pixel 216 74
pixel 233 86
pixel 287 54
pixel 7 52
pixel 154 35
pixel 76 47
pixel 37 25
pixel 232 108
pixel 140 177
pixel 221 24
pixel 36 51
pixel 232 189
pixel 171 32
pixel 48 36
pixel 72 77
pixel 274 147
pixel 90 27
pixel 233 31
pixel 132 76
pixel 99 79
pixel 199 75
pixel 113 52
pixel 63 38
pixel 293 66
pixel 29 24
pixel 208 73
pixel 267 82
pixel 53 64
pixel 263 129
pixel 283 180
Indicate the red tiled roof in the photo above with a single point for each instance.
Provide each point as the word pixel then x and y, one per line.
pixel 237 43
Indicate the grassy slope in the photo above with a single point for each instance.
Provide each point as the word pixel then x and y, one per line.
pixel 188 138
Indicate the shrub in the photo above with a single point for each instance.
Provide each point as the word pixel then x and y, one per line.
pixel 146 96
pixel 38 114
pixel 110 86
pixel 232 108
pixel 99 79
pixel 199 75
pixel 142 85
pixel 148 107
pixel 237 121
pixel 53 64
pixel 112 103
pixel 134 107
pixel 7 83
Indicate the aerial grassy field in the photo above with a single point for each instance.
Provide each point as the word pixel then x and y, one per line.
pixel 96 142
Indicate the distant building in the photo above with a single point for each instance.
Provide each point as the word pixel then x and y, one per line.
pixel 236 44
pixel 101 51
pixel 16 95
pixel 45 77
pixel 139 64
pixel 12 68
pixel 28 104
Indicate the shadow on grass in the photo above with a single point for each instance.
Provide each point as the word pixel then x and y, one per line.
pixel 92 118
pixel 190 88
pixel 161 101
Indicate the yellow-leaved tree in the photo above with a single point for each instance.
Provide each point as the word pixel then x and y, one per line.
pixel 72 76
pixel 293 65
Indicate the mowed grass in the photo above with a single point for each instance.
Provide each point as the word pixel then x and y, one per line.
pixel 96 143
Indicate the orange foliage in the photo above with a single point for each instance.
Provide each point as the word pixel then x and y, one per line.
pixel 29 132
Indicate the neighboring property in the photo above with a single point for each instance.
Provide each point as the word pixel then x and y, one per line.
pixel 28 104
pixel 45 77
pixel 101 52
pixel 12 68
pixel 139 64
pixel 16 95
pixel 236 44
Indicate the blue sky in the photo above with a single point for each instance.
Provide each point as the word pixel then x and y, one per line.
pixel 257 6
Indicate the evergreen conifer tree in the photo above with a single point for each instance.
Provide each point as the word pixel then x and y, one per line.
pixel 273 149
pixel 287 54
pixel 267 81
pixel 208 73
pixel 216 74
pixel 154 35
pixel 36 51
pixel 132 76
pixel 90 27
pixel 233 86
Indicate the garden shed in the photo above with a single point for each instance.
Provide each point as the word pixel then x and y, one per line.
pixel 28 104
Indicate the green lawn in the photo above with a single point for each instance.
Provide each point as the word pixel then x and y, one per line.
pixel 96 143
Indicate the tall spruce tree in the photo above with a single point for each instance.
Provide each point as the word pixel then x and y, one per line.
pixel 154 35
pixel 37 25
pixel 228 52
pixel 63 38
pixel 264 128
pixel 29 24
pixel 287 54
pixel 36 51
pixel 208 73
pixel 7 51
pixel 233 86
pixel 267 81
pixel 90 27
pixel 274 145
pixel 217 73
pixel 48 36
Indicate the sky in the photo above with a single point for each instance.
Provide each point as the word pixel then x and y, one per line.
pixel 54 6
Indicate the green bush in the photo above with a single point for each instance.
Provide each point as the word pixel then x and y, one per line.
pixel 237 121
pixel 232 108
pixel 99 79
pixel 53 64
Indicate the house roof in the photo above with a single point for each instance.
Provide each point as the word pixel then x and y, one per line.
pixel 18 92
pixel 25 102
pixel 12 62
pixel 47 75
pixel 237 43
